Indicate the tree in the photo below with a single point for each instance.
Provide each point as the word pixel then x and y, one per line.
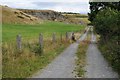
pixel 95 7
pixel 106 23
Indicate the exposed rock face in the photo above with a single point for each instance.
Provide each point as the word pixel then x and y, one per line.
pixel 45 14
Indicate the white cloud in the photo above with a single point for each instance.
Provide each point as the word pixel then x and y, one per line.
pixel 20 5
pixel 73 7
pixel 45 1
pixel 68 6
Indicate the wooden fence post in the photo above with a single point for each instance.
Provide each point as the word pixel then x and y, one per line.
pixel 70 35
pixel 41 42
pixel 54 38
pixel 61 37
pixel 41 39
pixel 66 35
pixel 19 43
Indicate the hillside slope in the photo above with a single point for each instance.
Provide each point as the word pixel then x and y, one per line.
pixel 46 14
pixel 13 16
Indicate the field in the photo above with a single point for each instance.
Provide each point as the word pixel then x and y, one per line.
pixel 75 15
pixel 22 64
pixel 77 18
pixel 32 31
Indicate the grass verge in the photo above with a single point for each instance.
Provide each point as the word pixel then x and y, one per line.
pixel 110 51
pixel 81 56
pixel 111 55
pixel 24 64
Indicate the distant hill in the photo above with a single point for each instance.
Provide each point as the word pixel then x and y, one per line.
pixel 77 18
pixel 46 14
pixel 14 16
pixel 71 15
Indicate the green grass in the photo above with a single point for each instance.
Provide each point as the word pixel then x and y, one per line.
pixel 9 31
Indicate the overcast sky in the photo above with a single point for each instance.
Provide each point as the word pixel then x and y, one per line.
pixel 77 6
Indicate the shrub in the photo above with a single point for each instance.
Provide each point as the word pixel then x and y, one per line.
pixel 107 22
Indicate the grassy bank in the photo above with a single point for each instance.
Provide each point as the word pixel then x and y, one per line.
pixel 28 61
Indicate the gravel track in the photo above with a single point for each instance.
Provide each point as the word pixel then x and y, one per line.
pixel 63 65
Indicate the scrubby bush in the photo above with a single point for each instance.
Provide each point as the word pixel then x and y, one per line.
pixel 107 22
